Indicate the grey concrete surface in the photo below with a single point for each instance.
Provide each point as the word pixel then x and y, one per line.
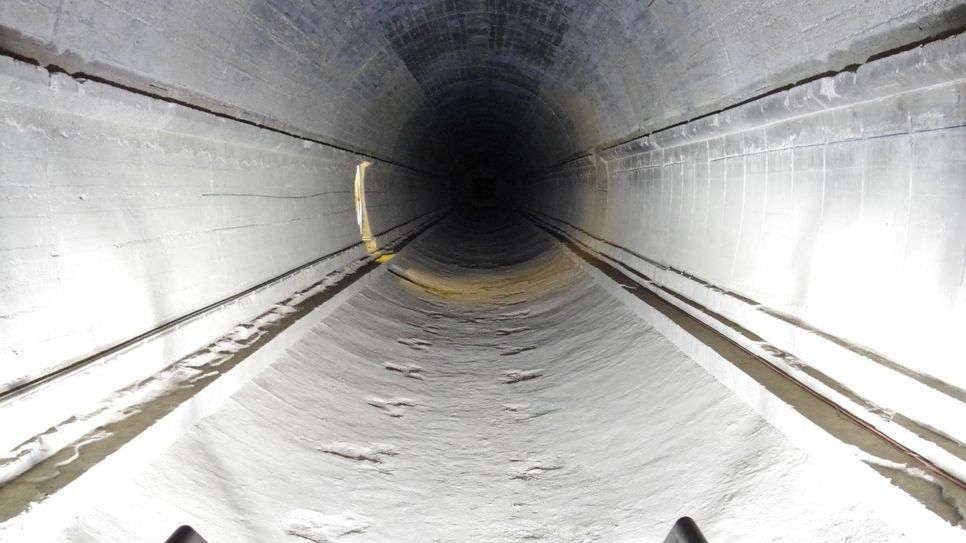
pixel 445 86
pixel 120 212
pixel 446 402
pixel 795 167
pixel 839 203
pixel 405 79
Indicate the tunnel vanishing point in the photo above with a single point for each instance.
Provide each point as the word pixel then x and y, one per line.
pixel 482 270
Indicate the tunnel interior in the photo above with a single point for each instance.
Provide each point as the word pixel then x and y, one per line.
pixel 482 270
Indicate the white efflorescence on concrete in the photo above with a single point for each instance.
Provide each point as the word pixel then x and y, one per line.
pixel 120 212
pixel 605 432
pixel 816 203
pixel 828 219
pixel 388 76
pixel 213 147
pixel 87 399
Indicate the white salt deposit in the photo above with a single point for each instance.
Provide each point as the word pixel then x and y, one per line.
pixel 320 528
pixel 595 429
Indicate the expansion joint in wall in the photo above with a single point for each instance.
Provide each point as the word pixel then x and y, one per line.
pixel 919 441
pixel 221 111
pixel 647 135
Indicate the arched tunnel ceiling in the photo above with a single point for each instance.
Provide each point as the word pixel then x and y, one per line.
pixel 424 81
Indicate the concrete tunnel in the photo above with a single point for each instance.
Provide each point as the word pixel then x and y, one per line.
pixel 482 270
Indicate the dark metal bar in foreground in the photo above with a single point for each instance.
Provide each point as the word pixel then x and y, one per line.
pixel 685 530
pixel 186 534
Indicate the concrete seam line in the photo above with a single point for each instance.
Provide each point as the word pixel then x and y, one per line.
pixel 845 411
pixel 850 69
pixel 81 77
pixel 72 367
pixel 800 430
pixel 44 520
pixel 308 300
pixel 940 386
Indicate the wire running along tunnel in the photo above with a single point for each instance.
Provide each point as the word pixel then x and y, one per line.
pixel 654 259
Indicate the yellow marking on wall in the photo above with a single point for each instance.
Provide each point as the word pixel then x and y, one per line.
pixel 362 215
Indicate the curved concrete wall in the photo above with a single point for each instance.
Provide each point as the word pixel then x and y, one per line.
pixel 838 206
pixel 391 77
pixel 817 203
pixel 120 212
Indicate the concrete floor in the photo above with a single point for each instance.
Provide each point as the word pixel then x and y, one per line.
pixel 188 190
pixel 487 389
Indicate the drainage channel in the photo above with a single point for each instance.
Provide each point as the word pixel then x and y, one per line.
pixel 174 387
pixel 940 492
